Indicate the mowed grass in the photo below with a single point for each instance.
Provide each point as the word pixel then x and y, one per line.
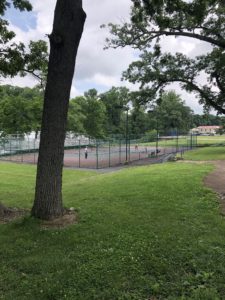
pixel 210 140
pixel 186 141
pixel 151 232
pixel 206 153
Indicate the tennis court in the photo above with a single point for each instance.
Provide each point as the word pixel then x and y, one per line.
pixel 100 154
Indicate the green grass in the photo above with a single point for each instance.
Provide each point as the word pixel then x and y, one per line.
pixel 206 153
pixel 210 140
pixel 185 141
pixel 144 233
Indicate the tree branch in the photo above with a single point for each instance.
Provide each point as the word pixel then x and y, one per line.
pixel 210 40
pixel 201 92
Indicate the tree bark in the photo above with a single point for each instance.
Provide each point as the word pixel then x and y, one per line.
pixel 68 25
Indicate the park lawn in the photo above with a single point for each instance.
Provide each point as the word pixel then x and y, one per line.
pixel 150 232
pixel 206 153
pixel 211 140
pixel 186 141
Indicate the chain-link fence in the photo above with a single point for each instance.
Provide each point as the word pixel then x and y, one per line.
pixel 82 152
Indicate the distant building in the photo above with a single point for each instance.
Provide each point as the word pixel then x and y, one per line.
pixel 205 129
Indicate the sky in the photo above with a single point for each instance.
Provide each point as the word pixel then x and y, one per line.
pixel 95 67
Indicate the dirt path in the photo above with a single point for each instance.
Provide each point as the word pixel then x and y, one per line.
pixel 216 181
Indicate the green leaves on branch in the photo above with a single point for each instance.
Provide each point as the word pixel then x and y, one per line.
pixel 150 21
pixel 14 57
pixel 19 4
pixel 20 110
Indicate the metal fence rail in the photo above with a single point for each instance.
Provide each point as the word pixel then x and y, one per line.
pixel 100 153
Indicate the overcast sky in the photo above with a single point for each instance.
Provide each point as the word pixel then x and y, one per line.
pixel 95 67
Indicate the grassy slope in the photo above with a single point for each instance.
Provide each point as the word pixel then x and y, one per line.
pixel 149 231
pixel 207 153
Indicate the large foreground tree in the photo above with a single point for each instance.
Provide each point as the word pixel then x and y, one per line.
pixel 151 20
pixel 68 25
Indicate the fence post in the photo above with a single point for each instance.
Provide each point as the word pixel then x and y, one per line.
pixel 96 154
pixel 4 146
pixel 10 149
pixel 79 155
pixel 109 154
pixel 120 151
pixel 34 152
pixel 21 151
pixel 129 149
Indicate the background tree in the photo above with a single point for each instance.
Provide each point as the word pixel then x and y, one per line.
pixel 76 116
pixel 114 100
pixel 94 111
pixel 20 110
pixel 68 25
pixel 151 20
pixel 172 113
pixel 207 119
pixel 139 122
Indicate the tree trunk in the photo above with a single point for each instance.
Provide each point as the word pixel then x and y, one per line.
pixel 68 25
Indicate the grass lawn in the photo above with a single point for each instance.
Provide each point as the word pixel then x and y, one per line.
pixel 210 140
pixel 150 232
pixel 206 153
pixel 185 141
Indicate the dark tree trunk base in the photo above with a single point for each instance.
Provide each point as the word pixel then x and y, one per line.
pixel 69 217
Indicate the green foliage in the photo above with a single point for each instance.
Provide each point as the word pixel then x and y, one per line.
pixel 114 101
pixel 137 237
pixel 150 21
pixel 14 57
pixel 149 136
pixel 139 120
pixel 207 119
pixel 87 115
pixel 76 116
pixel 95 114
pixel 20 110
pixel 173 113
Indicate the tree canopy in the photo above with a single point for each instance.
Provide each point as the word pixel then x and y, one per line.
pixel 114 101
pixel 150 21
pixel 172 113
pixel 20 110
pixel 100 115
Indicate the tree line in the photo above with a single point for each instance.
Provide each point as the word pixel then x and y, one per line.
pixel 100 115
